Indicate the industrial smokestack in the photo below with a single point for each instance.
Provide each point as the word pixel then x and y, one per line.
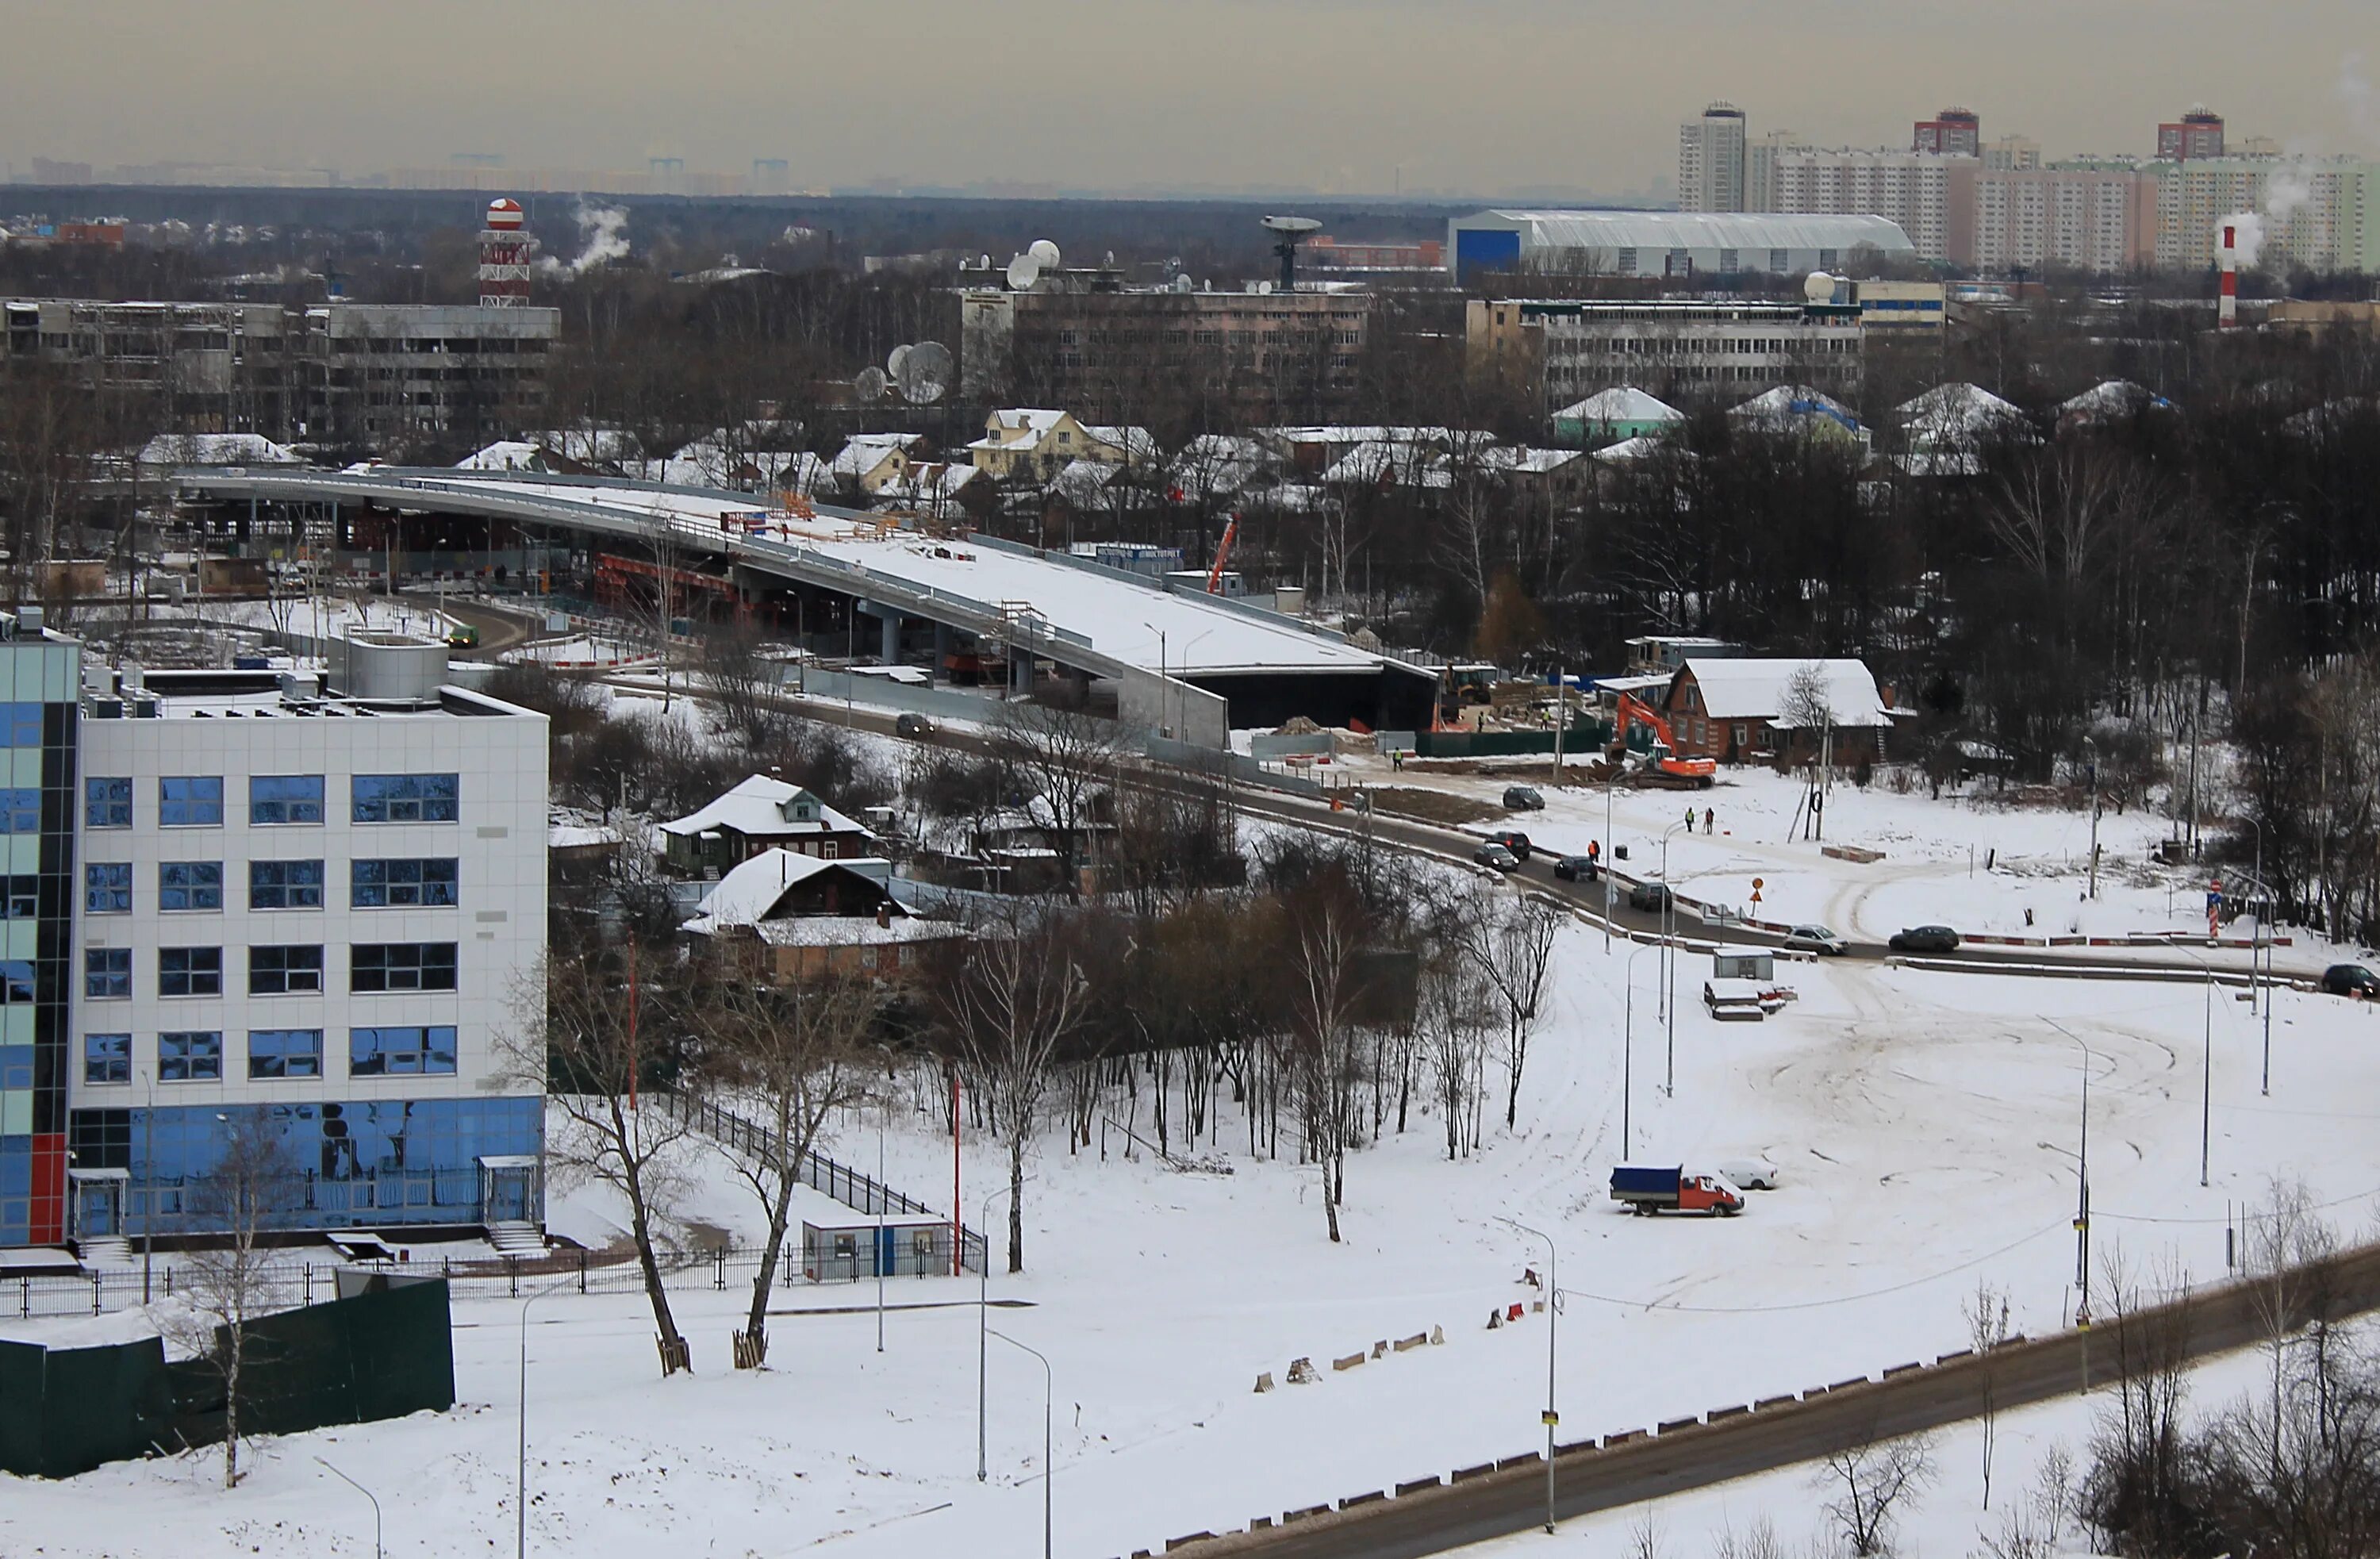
pixel 2227 260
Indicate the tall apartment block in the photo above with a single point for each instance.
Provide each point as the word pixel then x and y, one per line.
pixel 300 900
pixel 1954 132
pixel 1711 160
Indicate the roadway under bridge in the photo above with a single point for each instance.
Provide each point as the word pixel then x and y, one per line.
pixel 897 590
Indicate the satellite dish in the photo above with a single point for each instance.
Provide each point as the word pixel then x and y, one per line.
pixel 1182 283
pixel 925 373
pixel 893 361
pixel 1045 252
pixel 870 383
pixel 1023 272
pixel 1818 287
pixel 1293 223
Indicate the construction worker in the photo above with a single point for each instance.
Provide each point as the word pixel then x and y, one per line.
pixel 1689 819
pixel 1708 817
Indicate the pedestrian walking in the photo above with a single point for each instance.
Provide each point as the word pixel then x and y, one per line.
pixel 1708 816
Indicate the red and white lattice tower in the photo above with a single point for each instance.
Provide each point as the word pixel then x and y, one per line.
pixel 503 257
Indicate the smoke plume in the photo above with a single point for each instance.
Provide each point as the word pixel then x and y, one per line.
pixel 601 241
pixel 2248 238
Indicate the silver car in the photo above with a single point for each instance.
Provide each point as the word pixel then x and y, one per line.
pixel 1817 939
pixel 1496 857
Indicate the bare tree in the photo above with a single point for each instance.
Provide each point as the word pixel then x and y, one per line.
pixel 794 1054
pixel 1323 986
pixel 1869 1479
pixel 1451 1014
pixel 593 1024
pixel 1066 758
pixel 1015 997
pixel 1808 705
pixel 231 1284
pixel 1513 947
pixel 1986 1314
pixel 744 682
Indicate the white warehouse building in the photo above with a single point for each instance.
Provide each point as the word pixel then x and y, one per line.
pixel 307 902
pixel 1664 243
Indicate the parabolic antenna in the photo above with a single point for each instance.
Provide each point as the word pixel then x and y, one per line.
pixel 1818 287
pixel 925 373
pixel 1046 252
pixel 870 384
pixel 1288 232
pixel 1298 224
pixel 1023 272
pixel 892 361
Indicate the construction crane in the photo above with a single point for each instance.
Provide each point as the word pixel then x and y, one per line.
pixel 1665 768
pixel 1222 554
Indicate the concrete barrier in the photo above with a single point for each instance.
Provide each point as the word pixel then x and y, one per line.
pixel 1291 1518
pixel 1901 1370
pixel 1622 1438
pixel 1172 1544
pixel 1534 1458
pixel 1406 1344
pixel 1349 1362
pixel 1776 1401
pixel 1577 1447
pixel 1672 1426
pixel 1857 855
pixel 1264 1382
pixel 1302 1372
pixel 1418 1484
pixel 1464 1474
pixel 1855 1381
pixel 1380 1350
pixel 1716 1413
pixel 1949 1358
pixel 1351 1501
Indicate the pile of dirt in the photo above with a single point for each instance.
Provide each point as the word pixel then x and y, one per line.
pixel 1431 806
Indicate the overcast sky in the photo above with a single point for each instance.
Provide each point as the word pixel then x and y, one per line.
pixel 1339 95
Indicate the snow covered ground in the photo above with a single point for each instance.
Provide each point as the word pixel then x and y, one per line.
pixel 1926 1123
pixel 331 617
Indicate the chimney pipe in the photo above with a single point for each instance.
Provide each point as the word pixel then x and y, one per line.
pixel 2227 304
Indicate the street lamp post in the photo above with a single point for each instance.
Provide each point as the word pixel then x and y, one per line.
pixel 1669 942
pixel 2082 1195
pixel 2206 1071
pixel 983 1326
pixel 1553 1307
pixel 1609 902
pixel 2093 766
pixel 1049 1471
pixel 521 1471
pixel 1628 1049
pixel 366 1493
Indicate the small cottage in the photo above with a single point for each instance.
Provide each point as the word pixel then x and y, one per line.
pixel 760 814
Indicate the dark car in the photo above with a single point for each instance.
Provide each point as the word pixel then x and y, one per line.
pixel 2351 979
pixel 1649 896
pixel 1925 939
pixel 913 726
pixel 1523 799
pixel 1514 840
pixel 1495 856
pixel 1578 868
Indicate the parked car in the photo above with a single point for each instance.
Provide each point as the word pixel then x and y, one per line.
pixel 1649 896
pixel 1578 868
pixel 1925 939
pixel 1651 1188
pixel 912 726
pixel 1815 938
pixel 1752 1174
pixel 1523 799
pixel 1495 857
pixel 2351 979
pixel 1514 840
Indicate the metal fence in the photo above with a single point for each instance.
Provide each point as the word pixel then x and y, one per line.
pixel 819 1173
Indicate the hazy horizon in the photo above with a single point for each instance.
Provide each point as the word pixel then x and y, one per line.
pixel 1213 96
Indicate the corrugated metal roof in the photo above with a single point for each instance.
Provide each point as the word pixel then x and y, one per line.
pixel 1696 229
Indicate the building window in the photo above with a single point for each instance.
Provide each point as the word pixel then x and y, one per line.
pixel 190 1056
pixel 17 982
pixel 401 966
pixel 388 1052
pixel 23 723
pixel 284 884
pixel 107 803
pixel 107 888
pixel 406 798
pixel 284 1053
pixel 285 798
pixel 389 885
pixel 190 801
pixel 23 897
pixel 189 885
pixel 20 810
pixel 106 973
pixel 189 971
pixel 108 1058
pixel 284 971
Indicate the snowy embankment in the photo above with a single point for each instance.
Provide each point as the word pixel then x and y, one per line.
pixel 1926 1123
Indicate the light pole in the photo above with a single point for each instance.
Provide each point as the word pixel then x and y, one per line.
pixel 878 1254
pixel 1609 902
pixel 2082 1189
pixel 1553 1307
pixel 2091 766
pixel 366 1493
pixel 1669 941
pixel 1049 1472
pixel 1161 675
pixel 520 1472
pixel 983 1323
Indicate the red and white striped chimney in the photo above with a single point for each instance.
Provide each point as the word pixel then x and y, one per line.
pixel 2227 260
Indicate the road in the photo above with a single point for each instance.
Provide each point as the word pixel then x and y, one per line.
pixel 1512 1499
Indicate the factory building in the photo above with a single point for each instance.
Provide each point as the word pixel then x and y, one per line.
pixel 1679 349
pixel 266 896
pixel 1665 243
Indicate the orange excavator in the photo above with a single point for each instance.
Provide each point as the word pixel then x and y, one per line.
pixel 1665 768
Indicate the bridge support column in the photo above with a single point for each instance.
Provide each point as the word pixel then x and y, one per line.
pixel 891 653
pixel 942 653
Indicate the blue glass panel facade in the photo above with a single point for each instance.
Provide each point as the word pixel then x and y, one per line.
pixel 353 1164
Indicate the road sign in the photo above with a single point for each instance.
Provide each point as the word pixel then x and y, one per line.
pixel 1549 1418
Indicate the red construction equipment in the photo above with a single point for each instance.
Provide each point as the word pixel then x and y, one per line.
pixel 1666 767
pixel 1222 554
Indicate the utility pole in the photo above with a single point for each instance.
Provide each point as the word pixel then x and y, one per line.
pixel 1553 1307
pixel 2091 768
pixel 1561 718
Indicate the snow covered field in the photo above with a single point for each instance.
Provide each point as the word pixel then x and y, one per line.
pixel 331 617
pixel 1926 1123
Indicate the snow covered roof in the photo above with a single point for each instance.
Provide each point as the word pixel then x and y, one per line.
pixel 1137 444
pixel 1756 690
pixel 1662 230
pixel 853 930
pixel 2114 398
pixel 1789 404
pixel 590 444
pixel 1524 458
pixel 504 455
pixel 749 893
pixel 1629 450
pixel 1958 411
pixel 1082 482
pixel 2332 417
pixel 1624 403
pixel 1346 436
pixel 928 481
pixel 862 453
pixel 216 449
pixel 756 806
pixel 1407 464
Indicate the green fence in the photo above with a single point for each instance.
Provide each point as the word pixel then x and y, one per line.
pixel 380 1354
pixel 1588 736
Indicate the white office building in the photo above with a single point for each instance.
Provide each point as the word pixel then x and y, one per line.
pixel 1710 160
pixel 309 898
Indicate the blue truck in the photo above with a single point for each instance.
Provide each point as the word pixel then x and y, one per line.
pixel 1650 1189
